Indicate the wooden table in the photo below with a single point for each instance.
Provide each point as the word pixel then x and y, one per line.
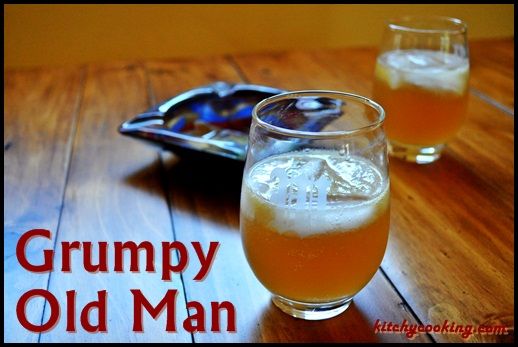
pixel 450 254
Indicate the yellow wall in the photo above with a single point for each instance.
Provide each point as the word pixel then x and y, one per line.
pixel 72 34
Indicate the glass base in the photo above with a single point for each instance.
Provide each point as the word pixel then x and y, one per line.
pixel 314 311
pixel 415 154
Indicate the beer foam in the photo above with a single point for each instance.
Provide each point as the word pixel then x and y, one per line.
pixel 356 195
pixel 424 68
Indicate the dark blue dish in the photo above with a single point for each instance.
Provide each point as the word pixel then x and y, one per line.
pixel 213 119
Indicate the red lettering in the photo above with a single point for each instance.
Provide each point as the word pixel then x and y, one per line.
pixel 65 257
pixel 71 311
pixel 198 318
pixel 377 326
pixel 167 267
pixel 102 265
pixel 22 257
pixel 132 246
pixel 169 302
pixel 231 316
pixel 100 305
pixel 205 262
pixel 54 310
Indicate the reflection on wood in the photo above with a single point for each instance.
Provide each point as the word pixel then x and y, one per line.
pixel 450 254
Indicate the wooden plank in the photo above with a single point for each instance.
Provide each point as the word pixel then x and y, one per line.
pixel 456 212
pixel 460 211
pixel 485 123
pixel 450 258
pixel 114 193
pixel 39 121
pixel 491 74
pixel 478 164
pixel 205 207
pixel 492 69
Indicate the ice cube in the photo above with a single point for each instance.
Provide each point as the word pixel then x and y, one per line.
pixel 317 191
pixel 424 68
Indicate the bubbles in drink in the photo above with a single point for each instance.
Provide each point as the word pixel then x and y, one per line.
pixel 317 191
pixel 424 68
pixel 344 150
pixel 307 215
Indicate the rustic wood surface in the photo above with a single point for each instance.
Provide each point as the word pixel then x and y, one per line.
pixel 492 66
pixel 114 193
pixel 450 254
pixel 40 113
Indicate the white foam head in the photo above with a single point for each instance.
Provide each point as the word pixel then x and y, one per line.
pixel 424 68
pixel 355 194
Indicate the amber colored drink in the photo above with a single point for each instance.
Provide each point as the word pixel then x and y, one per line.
pixel 424 94
pixel 310 248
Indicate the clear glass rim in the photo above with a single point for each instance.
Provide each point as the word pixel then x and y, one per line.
pixel 320 134
pixel 404 24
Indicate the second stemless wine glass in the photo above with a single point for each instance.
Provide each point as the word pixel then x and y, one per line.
pixel 315 199
pixel 421 80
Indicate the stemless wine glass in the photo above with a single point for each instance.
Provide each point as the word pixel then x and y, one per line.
pixel 315 199
pixel 421 80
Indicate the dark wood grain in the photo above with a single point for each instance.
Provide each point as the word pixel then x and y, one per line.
pixel 114 193
pixel 39 120
pixel 475 226
pixel 205 207
pixel 451 246
pixel 447 215
pixel 492 70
